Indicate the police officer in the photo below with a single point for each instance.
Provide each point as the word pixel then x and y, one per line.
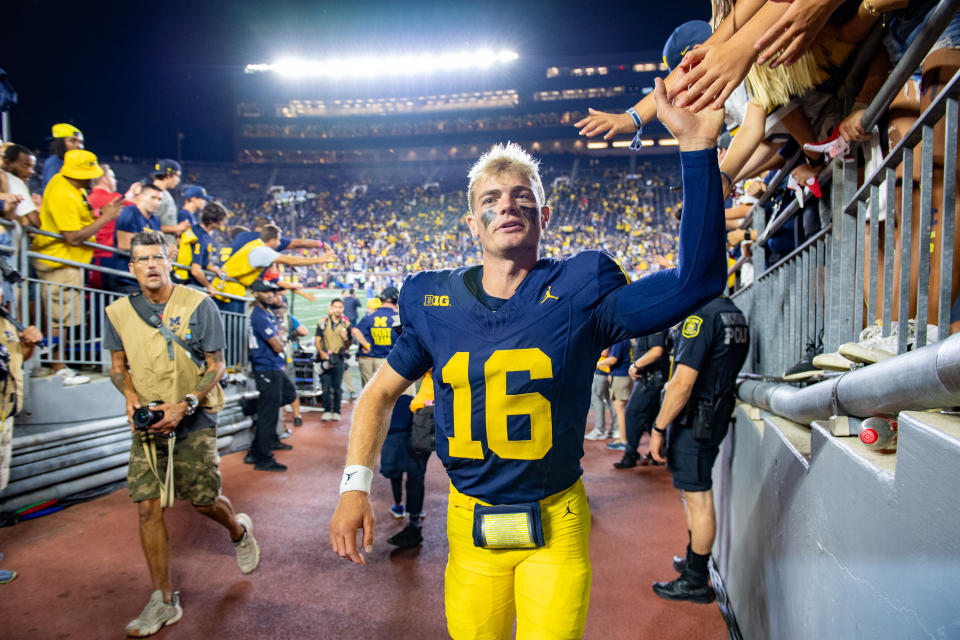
pixel 649 371
pixel 710 350
pixel 268 362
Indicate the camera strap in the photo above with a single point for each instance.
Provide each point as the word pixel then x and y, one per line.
pixel 150 453
pixel 146 314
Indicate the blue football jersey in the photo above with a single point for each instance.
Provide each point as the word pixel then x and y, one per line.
pixel 511 391
pixel 512 386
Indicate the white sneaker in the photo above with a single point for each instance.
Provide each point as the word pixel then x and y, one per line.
pixel 596 434
pixel 335 417
pixel 326 416
pixel 71 377
pixel 614 435
pixel 832 362
pixel 248 551
pixel 156 615
pixel 871 347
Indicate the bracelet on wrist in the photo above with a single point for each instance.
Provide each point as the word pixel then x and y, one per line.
pixel 356 477
pixel 637 120
pixel 659 430
pixel 870 9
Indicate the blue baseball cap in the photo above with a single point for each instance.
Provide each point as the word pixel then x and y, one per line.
pixel 683 39
pixel 196 191
pixel 166 166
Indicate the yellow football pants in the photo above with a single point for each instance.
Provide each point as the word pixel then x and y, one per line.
pixel 547 589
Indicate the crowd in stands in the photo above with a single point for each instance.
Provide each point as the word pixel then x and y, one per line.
pixel 411 126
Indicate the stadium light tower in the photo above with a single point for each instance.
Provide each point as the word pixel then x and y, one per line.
pixel 372 66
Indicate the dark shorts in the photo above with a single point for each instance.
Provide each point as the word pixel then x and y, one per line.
pixel 196 468
pixel 690 461
pixel 397 457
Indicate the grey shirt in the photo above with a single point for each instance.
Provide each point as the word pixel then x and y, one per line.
pixel 205 335
pixel 167 214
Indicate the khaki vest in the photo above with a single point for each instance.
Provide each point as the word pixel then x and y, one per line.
pixel 12 389
pixel 238 267
pixel 155 376
pixel 331 339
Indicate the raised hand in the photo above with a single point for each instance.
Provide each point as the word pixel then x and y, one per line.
pixel 709 74
pixel 602 122
pixel 692 130
pixel 793 33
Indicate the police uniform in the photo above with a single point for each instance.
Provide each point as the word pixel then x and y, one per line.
pixel 644 400
pixel 274 385
pixel 511 399
pixel 714 341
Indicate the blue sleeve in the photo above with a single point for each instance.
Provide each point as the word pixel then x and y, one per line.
pixel 196 253
pixel 294 323
pixel 126 222
pixel 50 169
pixel 283 244
pixel 620 351
pixel 665 297
pixel 693 343
pixel 409 356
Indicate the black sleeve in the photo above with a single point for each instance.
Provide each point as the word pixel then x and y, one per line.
pixel 693 341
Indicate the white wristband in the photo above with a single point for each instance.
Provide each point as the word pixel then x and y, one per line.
pixel 356 477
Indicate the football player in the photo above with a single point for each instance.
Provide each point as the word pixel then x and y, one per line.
pixel 507 341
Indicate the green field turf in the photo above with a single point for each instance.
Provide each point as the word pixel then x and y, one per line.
pixel 309 313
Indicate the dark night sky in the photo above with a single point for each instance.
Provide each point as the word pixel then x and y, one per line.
pixel 132 74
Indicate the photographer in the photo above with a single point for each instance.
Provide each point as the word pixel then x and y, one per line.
pixel 332 340
pixel 16 345
pixel 167 347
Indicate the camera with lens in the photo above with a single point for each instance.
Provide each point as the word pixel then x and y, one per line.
pixel 146 417
pixel 4 363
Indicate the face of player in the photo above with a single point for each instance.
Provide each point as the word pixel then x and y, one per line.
pixel 150 200
pixel 151 265
pixel 507 218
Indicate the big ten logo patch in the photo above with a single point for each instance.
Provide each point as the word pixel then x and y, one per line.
pixel 436 301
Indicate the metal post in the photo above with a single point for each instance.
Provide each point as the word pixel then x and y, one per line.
pixel 906 249
pixel 889 248
pixel 923 231
pixel 948 211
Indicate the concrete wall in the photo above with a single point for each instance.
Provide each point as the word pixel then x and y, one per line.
pixel 820 538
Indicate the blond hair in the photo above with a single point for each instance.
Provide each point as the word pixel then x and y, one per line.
pixel 507 158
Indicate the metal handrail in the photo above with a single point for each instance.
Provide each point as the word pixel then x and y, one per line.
pixel 117 252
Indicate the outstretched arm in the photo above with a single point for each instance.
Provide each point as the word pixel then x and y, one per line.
pixel 663 298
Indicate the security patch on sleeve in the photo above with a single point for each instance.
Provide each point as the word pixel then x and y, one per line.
pixel 691 327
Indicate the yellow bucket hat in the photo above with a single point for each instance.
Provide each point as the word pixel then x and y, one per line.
pixel 64 130
pixel 80 164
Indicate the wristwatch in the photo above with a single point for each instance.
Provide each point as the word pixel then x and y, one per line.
pixel 192 404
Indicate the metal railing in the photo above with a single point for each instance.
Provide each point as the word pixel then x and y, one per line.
pixel 839 280
pixel 79 342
